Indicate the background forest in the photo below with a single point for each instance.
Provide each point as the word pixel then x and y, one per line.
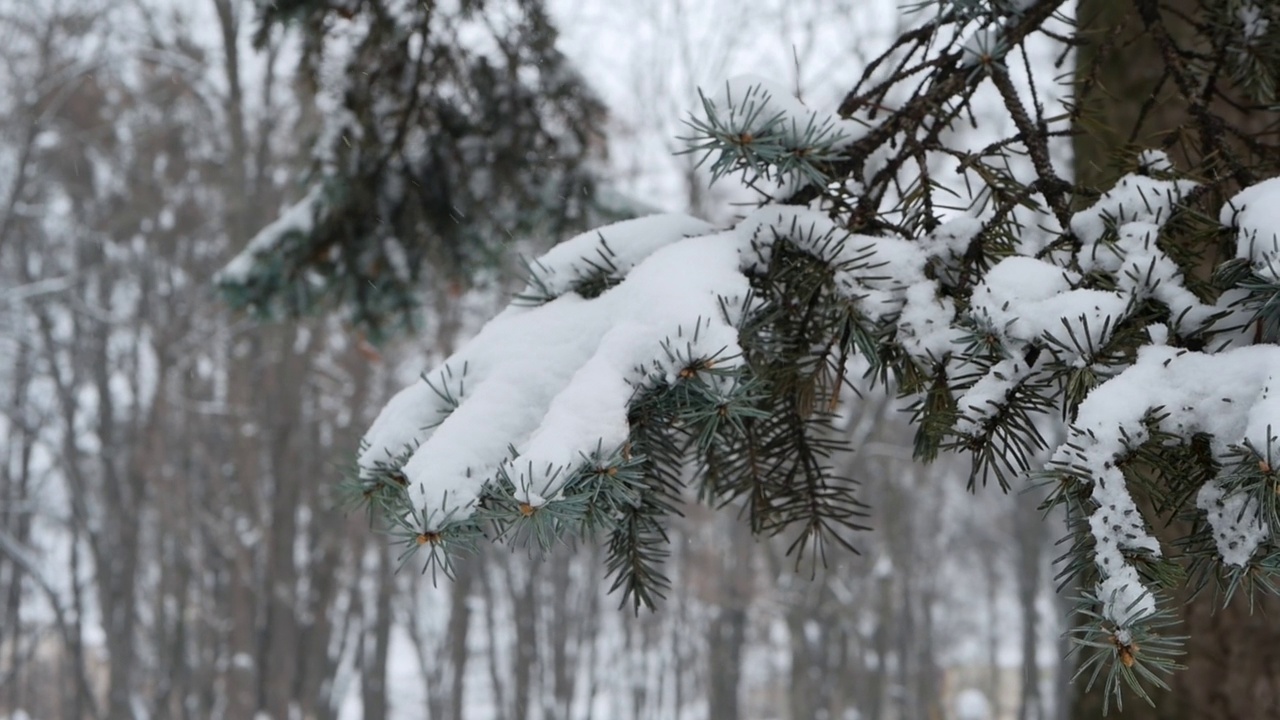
pixel 170 541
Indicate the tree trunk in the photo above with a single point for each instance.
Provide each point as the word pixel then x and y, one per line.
pixel 727 635
pixel 524 583
pixel 1029 530
pixel 1233 654
pixel 726 639
pixel 373 688
pixel 458 631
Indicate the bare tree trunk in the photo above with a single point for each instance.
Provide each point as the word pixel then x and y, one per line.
pixel 278 393
pixel 572 612
pixel 726 640
pixel 636 646
pixel 991 581
pixel 373 686
pixel 1029 531
pixel 457 637
pixel 15 523
pixel 727 635
pixel 83 704
pixel 524 582
pixel 929 679
pixel 881 639
pixel 802 696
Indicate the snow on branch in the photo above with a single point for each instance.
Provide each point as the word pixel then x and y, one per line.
pixel 1229 397
pixel 296 221
pixel 660 351
pixel 542 389
pixel 607 254
pixel 545 388
pixel 1255 213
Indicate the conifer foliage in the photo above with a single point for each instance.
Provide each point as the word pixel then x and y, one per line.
pixel 444 132
pixel 1114 344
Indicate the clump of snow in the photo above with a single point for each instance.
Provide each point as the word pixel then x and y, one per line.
pixel 1155 161
pixel 986 396
pixel 1141 270
pixel 1023 301
pixel 1135 198
pixel 680 286
pixel 1125 600
pixel 613 249
pixel 1264 414
pixel 1024 298
pixel 1237 524
pixel 884 277
pixel 1253 23
pixel 811 230
pixel 1158 334
pixel 951 239
pixel 1255 213
pixel 924 322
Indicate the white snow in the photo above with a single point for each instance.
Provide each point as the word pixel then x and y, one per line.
pixel 1025 298
pixel 1227 395
pixel 1255 213
pixel 1135 198
pixel 1142 270
pixel 553 382
pixel 883 276
pixel 1253 23
pixel 615 249
pixel 1135 208
pixel 299 218
pixel 1155 161
pixel 986 396
pixel 541 390
pixel 678 287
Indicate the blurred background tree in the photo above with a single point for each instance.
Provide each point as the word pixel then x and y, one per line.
pixel 442 133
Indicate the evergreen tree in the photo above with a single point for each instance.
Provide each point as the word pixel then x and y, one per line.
pixel 1110 339
pixel 1229 645
pixel 443 133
